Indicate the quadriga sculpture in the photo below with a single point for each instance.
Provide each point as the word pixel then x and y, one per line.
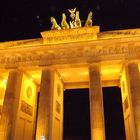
pixel 64 23
pixel 55 26
pixel 89 21
pixel 77 20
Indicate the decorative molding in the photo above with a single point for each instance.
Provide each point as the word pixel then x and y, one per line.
pixel 29 92
pixel 58 107
pixel 20 43
pixel 123 87
pixel 58 89
pixel 126 104
pixel 119 34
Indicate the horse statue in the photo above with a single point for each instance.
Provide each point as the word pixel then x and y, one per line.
pixel 55 26
pixel 64 23
pixel 77 20
pixel 89 21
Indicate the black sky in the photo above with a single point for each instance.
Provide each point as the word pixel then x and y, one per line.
pixel 24 19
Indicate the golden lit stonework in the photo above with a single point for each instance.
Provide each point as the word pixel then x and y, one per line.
pixel 34 74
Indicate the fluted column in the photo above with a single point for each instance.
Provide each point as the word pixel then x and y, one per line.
pixel 10 106
pixel 96 104
pixel 133 84
pixel 44 121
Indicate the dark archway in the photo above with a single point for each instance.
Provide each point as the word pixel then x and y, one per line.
pixel 114 122
pixel 76 115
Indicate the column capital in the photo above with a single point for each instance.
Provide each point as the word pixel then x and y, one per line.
pixel 95 67
pixel 132 68
pixel 127 64
pixel 130 62
pixel 48 69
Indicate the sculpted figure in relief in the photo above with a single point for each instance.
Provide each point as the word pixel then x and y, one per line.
pixel 55 26
pixel 64 23
pixel 72 15
pixel 77 20
pixel 89 21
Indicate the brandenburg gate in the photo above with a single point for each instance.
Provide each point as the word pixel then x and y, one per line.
pixel 66 59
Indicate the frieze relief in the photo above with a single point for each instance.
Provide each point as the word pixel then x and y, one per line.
pixel 66 36
pixel 70 54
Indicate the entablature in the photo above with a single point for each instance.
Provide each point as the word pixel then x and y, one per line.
pixel 40 53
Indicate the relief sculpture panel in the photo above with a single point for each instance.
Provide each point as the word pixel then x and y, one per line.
pixel 26 108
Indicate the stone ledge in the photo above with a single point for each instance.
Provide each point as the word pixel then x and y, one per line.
pixel 20 43
pixel 70 35
pixel 119 34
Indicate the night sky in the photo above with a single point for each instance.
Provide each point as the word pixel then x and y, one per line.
pixel 25 19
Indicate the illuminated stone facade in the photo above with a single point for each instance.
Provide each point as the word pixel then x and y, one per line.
pixel 44 67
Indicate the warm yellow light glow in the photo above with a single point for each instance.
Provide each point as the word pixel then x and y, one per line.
pixel 2 90
pixel 108 71
pixel 98 134
pixel 35 75
pixel 31 79
pixel 84 73
pixel 70 75
pixel 42 138
pixel 60 78
pixel 63 74
pixel 5 81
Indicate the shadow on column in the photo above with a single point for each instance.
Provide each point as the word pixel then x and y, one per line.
pixel 114 122
pixel 76 115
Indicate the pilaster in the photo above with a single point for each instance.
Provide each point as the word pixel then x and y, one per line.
pixel 133 84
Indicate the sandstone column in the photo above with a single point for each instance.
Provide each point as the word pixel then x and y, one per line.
pixel 96 104
pixel 45 105
pixel 10 106
pixel 133 83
